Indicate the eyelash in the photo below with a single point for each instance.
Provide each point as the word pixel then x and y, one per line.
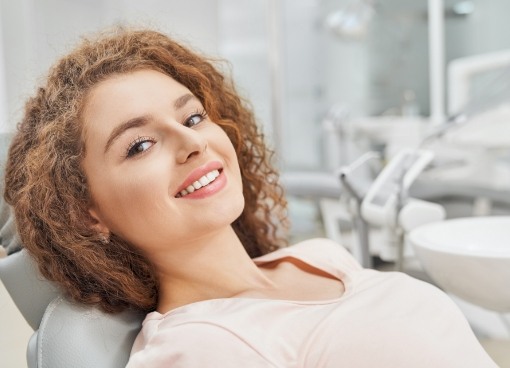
pixel 199 113
pixel 134 145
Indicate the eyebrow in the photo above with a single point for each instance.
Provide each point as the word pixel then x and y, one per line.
pixel 139 121
pixel 183 100
pixel 131 123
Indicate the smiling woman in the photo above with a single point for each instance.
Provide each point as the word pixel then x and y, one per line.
pixel 64 133
pixel 139 180
pixel 137 139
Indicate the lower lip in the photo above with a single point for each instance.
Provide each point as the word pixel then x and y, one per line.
pixel 210 189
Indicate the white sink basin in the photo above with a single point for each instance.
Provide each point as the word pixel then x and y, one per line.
pixel 468 257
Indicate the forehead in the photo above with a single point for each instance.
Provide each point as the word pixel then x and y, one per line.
pixel 120 89
pixel 124 96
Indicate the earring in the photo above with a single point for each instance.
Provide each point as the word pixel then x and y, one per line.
pixel 104 239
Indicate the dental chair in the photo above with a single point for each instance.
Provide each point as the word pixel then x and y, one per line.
pixel 66 335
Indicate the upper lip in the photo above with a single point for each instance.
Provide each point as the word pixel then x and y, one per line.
pixel 198 173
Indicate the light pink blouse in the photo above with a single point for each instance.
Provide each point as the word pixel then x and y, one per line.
pixel 382 320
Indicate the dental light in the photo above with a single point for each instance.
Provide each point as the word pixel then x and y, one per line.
pixel 351 22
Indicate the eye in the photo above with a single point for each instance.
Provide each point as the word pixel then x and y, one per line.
pixel 139 145
pixel 195 119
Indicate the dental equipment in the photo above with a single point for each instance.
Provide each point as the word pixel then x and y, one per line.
pixel 461 72
pixel 386 196
pixel 468 257
pixel 486 111
pixel 361 247
pixel 388 205
pixel 353 21
pixel 336 146
pixel 436 59
pixel 460 106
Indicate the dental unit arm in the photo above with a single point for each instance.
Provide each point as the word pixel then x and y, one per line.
pixel 386 195
pixel 387 204
pixel 354 195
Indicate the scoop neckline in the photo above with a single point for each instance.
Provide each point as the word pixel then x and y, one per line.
pixel 273 256
pixel 157 315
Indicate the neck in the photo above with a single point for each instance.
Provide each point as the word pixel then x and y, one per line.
pixel 216 266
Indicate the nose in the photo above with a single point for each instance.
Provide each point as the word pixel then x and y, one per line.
pixel 190 144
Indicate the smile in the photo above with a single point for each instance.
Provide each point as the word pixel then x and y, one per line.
pixel 198 184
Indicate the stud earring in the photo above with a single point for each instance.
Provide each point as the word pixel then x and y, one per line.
pixel 104 239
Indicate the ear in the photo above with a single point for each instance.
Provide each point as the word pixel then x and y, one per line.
pixel 97 223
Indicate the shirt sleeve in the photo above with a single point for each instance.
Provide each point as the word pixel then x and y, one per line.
pixel 197 345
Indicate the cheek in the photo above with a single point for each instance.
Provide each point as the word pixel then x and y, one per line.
pixel 124 201
pixel 229 152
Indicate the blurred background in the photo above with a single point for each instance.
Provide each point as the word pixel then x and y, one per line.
pixel 316 71
pixel 329 80
pixel 293 59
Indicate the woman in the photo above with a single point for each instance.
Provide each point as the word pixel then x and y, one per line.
pixel 139 180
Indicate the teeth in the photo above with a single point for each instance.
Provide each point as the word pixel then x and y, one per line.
pixel 202 182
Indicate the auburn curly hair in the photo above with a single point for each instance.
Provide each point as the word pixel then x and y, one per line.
pixel 48 190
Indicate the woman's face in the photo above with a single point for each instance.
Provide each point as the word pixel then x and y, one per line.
pixel 159 171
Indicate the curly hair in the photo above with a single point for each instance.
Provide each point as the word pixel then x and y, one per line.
pixel 47 187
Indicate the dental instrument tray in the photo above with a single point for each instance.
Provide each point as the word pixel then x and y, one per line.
pixel 384 198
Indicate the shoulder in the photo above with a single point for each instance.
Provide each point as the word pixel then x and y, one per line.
pixel 324 245
pixel 195 345
pixel 325 249
pixel 321 253
pixel 328 253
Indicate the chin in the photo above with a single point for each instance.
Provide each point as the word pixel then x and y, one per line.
pixel 236 210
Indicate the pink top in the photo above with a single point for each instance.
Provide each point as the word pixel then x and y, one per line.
pixel 384 319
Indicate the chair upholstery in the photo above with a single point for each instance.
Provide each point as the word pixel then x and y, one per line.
pixel 8 237
pixel 72 335
pixel 66 334
pixel 29 291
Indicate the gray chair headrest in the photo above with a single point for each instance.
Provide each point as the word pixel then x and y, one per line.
pixel 29 291
pixel 85 336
